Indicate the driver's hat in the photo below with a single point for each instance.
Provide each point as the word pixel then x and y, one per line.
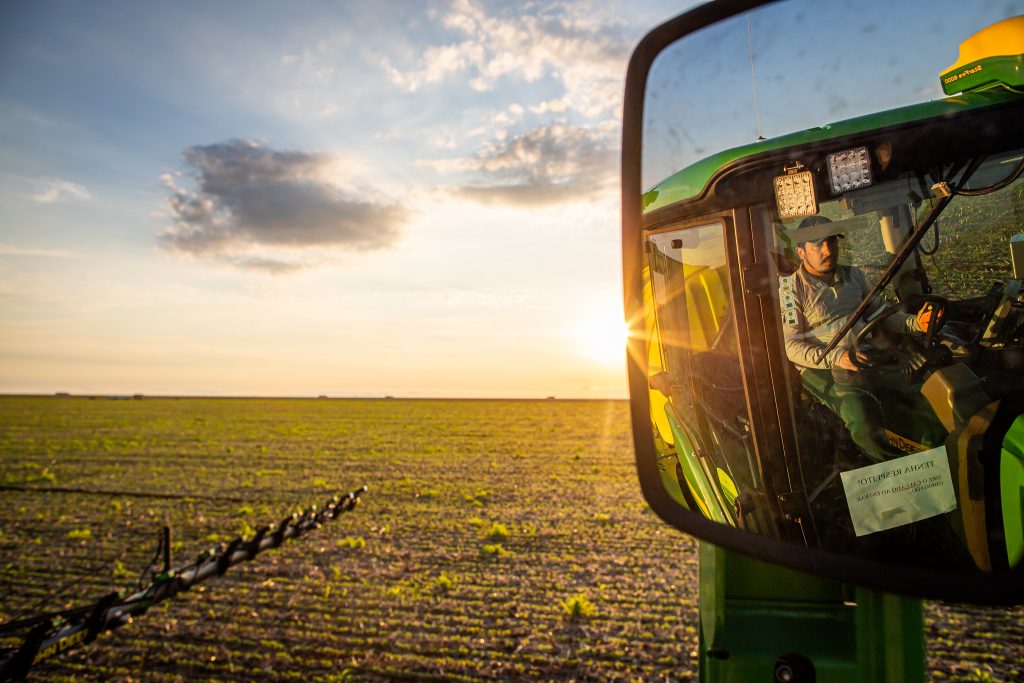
pixel 815 229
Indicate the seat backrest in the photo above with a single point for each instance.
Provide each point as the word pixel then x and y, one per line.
pixel 707 305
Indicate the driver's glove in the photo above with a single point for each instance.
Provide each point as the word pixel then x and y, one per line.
pixel 914 365
pixel 929 312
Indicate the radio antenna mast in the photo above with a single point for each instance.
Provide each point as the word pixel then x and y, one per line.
pixel 753 78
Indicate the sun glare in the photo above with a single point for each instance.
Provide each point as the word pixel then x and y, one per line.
pixel 602 337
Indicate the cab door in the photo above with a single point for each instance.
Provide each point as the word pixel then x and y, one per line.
pixel 699 370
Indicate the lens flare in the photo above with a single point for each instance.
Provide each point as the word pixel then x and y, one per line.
pixel 601 337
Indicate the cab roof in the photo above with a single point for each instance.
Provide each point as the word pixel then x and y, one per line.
pixel 692 181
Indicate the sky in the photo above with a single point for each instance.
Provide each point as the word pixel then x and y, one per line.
pixel 414 199
pixel 814 62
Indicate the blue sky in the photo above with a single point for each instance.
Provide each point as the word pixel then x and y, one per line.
pixel 364 198
pixel 367 198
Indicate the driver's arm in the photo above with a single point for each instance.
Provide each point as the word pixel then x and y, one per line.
pixel 897 323
pixel 802 344
pixel 902 323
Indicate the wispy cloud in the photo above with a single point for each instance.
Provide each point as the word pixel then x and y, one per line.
pixel 16 116
pixel 272 266
pixel 54 191
pixel 549 164
pixel 250 197
pixel 44 190
pixel 557 148
pixel 15 250
pixel 573 44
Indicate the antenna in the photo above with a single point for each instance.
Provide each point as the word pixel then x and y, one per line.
pixel 753 78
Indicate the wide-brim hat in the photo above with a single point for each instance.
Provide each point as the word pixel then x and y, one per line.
pixel 815 229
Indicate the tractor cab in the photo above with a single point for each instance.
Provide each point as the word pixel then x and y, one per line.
pixel 829 329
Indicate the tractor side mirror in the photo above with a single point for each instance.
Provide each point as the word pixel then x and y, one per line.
pixel 758 136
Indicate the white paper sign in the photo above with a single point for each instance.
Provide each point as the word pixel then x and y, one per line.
pixel 900 491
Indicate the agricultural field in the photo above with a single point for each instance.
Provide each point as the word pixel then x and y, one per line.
pixel 499 540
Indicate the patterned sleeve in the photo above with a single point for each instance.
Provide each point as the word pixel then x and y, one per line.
pixel 802 346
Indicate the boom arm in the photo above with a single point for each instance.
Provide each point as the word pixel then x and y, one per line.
pixel 53 634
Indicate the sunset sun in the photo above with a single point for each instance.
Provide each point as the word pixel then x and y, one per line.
pixel 601 336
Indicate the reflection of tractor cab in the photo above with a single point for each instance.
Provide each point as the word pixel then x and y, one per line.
pixel 930 202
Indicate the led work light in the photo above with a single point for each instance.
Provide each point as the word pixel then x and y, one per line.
pixel 794 193
pixel 849 170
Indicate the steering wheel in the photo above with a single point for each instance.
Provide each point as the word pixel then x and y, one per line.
pixel 919 349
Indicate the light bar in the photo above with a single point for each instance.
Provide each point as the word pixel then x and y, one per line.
pixel 794 194
pixel 849 170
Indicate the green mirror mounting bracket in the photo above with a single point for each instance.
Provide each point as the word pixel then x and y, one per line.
pixel 761 622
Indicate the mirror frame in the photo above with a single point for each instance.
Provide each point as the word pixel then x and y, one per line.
pixel 1003 589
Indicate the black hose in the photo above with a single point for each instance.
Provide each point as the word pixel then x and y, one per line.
pixel 1014 174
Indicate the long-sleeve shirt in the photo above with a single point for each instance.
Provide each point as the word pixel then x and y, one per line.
pixel 813 311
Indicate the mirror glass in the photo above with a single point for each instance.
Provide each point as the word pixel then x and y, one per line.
pixel 832 281
pixel 802 64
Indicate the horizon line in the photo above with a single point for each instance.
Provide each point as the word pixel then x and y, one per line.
pixel 302 397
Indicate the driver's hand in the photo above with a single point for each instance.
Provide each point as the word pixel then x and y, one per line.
pixel 844 361
pixel 927 313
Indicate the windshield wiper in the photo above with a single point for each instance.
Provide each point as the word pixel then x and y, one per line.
pixel 897 262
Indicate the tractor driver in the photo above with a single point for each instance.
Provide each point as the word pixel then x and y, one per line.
pixel 816 302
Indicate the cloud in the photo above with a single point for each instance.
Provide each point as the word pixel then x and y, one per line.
pixel 15 118
pixel 550 164
pixel 251 198
pixel 14 250
pixel 44 190
pixel 573 44
pixel 556 106
pixel 497 126
pixel 267 265
pixel 535 150
pixel 59 191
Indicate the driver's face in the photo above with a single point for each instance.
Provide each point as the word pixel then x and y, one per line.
pixel 820 257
